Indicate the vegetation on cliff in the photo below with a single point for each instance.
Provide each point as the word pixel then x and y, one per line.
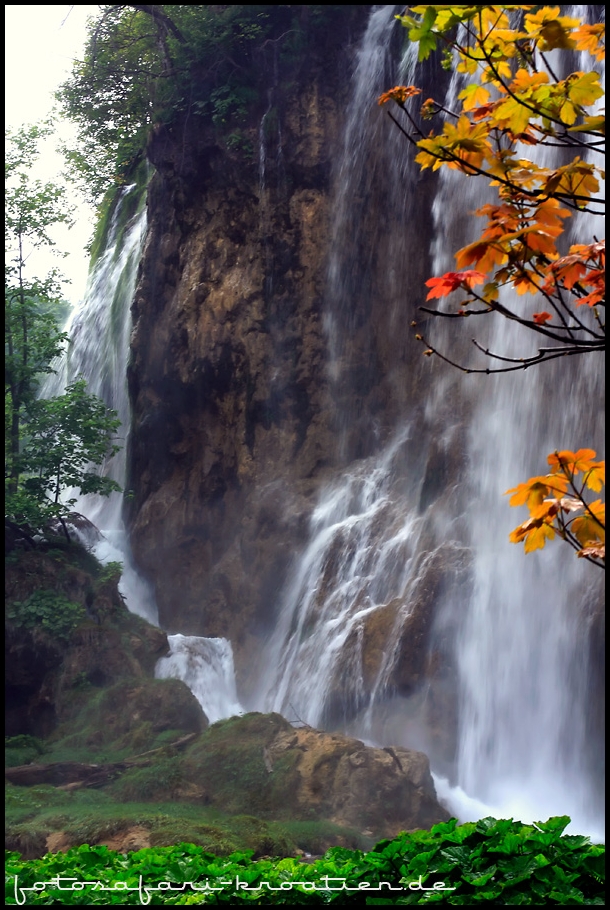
pixel 146 66
pixel 516 99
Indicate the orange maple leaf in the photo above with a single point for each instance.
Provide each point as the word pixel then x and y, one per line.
pixel 541 318
pixel 451 281
pixel 571 462
pixel 399 93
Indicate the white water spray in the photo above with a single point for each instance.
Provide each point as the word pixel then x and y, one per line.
pixel 99 330
pixel 206 666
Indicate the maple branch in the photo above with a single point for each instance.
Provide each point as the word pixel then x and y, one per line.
pixel 458 315
pixel 527 323
pixel 543 355
pixel 579 493
pixel 566 534
pixel 550 298
pixel 401 128
pixel 574 141
pixel 546 353
pixel 547 64
pixel 470 170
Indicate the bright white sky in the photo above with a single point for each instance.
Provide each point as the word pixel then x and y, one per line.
pixel 41 43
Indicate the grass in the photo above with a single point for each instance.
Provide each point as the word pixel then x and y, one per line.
pixel 89 816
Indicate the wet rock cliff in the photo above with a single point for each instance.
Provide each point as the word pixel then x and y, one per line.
pixel 231 427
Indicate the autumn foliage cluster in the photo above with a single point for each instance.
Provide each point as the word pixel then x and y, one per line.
pixel 515 100
pixel 556 503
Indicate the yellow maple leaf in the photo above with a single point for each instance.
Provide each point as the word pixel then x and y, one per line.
pixel 538 536
pixel 571 462
pixel 588 38
pixel 530 493
pixel 525 80
pixel 513 115
pixel 467 65
pixel 527 283
pixel 486 255
pixel 502 69
pixel 550 29
pixel 541 241
pixel 550 213
pixel 595 124
pixel 568 113
pixel 584 88
pixel 598 508
pixel 473 96
pixel 555 35
pixel 587 530
pixel 595 478
pixel 494 18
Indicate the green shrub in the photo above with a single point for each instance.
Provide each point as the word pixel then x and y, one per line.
pixel 22 749
pixel 47 610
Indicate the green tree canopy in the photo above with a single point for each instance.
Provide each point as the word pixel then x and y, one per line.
pixel 145 65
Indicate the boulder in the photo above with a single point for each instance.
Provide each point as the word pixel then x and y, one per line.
pixel 262 765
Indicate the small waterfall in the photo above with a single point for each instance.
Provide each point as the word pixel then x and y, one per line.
pixel 270 165
pixel 206 666
pixel 517 626
pixel 373 184
pixel 358 541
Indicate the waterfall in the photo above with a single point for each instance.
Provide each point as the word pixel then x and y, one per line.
pixel 99 330
pixel 406 509
pixel 206 666
pixel 408 618
pixel 523 641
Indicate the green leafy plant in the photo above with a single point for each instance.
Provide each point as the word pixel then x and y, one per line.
pixel 31 303
pixel 497 861
pixel 21 749
pixel 24 741
pixel 111 571
pixel 47 610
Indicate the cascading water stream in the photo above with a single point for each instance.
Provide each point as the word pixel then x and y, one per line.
pixel 520 633
pixel 522 642
pixel 99 332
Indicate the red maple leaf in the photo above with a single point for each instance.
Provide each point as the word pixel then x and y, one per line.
pixel 541 318
pixel 451 281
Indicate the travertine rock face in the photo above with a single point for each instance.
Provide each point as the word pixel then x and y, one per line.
pixel 231 429
pixel 380 790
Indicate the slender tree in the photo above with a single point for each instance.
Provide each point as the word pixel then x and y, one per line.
pixel 50 444
pixel 31 337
